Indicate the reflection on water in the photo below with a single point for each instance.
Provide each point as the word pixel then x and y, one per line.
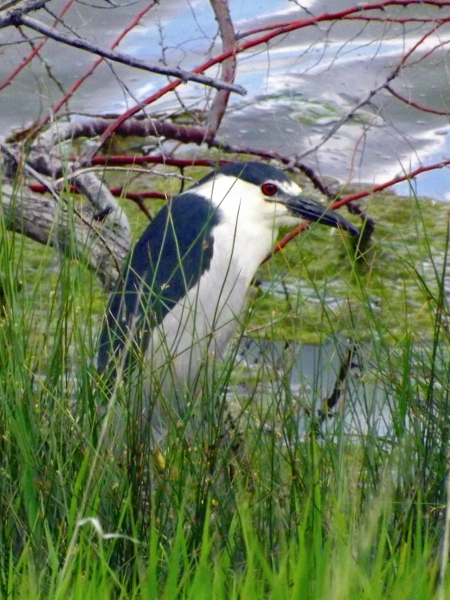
pixel 382 394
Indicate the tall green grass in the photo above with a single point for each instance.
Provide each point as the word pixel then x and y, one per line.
pixel 266 511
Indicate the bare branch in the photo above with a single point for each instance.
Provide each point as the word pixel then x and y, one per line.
pixel 17 9
pixel 91 128
pixel 420 107
pixel 124 58
pixel 276 29
pixel 229 65
pixel 108 235
pixel 101 248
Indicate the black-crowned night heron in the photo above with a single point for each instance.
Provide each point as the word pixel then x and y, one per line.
pixel 183 289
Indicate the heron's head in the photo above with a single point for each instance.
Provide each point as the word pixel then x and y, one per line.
pixel 261 194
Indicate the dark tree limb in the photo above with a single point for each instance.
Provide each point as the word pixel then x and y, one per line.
pixel 125 59
pixel 12 10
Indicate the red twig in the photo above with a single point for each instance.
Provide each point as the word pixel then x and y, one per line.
pixel 401 21
pixel 114 160
pixel 416 105
pixel 342 15
pixel 157 160
pixel 35 51
pixel 391 182
pixel 55 109
pixel 358 195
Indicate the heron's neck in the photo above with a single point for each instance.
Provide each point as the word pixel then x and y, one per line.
pixel 242 249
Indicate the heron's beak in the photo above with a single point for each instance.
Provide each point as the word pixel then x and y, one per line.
pixel 311 210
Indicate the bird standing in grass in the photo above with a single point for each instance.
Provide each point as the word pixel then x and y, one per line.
pixel 183 289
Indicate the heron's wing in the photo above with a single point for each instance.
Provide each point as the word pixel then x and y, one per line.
pixel 166 262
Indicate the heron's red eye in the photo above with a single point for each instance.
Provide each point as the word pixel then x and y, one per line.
pixel 269 189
